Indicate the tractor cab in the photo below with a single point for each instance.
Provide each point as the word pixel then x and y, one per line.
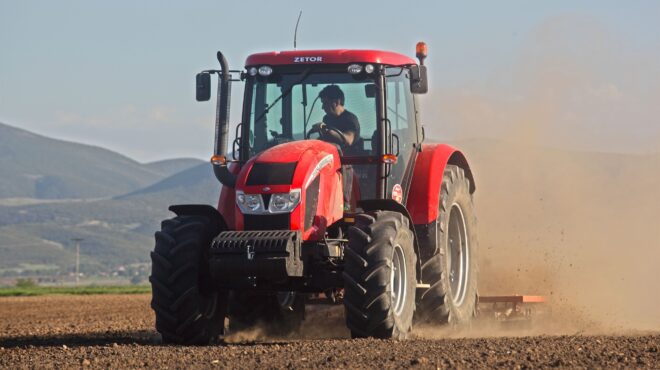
pixel 282 105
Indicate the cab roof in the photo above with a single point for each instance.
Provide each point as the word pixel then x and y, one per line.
pixel 343 56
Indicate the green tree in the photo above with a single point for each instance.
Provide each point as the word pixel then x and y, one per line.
pixel 25 283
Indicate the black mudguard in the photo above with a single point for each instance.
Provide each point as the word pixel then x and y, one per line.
pixel 200 210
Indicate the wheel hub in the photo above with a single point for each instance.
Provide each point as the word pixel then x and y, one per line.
pixel 458 256
pixel 398 280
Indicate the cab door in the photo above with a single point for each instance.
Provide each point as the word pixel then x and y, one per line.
pixel 402 135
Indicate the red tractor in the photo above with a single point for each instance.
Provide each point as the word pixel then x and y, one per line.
pixel 400 247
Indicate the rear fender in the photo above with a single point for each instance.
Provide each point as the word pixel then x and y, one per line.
pixel 392 205
pixel 424 193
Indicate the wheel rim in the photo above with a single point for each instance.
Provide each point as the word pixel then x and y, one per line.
pixel 459 255
pixel 398 280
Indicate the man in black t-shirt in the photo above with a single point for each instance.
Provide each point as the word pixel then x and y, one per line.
pixel 345 124
pixel 339 126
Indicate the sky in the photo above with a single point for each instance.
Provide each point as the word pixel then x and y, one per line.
pixel 584 74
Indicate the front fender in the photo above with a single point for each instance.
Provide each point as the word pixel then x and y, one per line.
pixel 200 210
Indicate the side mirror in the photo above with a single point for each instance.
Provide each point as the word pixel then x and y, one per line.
pixel 203 86
pixel 418 80
pixel 370 90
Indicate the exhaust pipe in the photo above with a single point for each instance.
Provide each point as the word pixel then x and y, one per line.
pixel 221 171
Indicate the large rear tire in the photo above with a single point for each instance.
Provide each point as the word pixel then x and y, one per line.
pixel 452 271
pixel 380 276
pixel 188 308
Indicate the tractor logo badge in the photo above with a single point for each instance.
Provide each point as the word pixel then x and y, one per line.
pixel 397 193
pixel 250 252
pixel 308 59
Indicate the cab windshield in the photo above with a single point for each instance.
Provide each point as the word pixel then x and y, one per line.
pixel 284 106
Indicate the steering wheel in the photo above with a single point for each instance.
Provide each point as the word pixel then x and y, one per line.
pixel 329 128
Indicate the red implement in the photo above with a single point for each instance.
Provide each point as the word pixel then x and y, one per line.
pixel 510 307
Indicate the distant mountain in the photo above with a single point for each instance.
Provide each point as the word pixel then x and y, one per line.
pixel 169 167
pixel 194 185
pixel 52 191
pixel 34 166
pixel 116 231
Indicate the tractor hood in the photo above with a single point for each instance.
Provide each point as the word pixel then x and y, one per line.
pixel 308 171
pixel 287 166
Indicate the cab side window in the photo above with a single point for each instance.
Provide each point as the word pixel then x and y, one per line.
pixel 400 111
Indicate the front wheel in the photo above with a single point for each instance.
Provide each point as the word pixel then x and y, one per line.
pixel 188 308
pixel 380 276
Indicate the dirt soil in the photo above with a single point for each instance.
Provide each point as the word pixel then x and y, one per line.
pixel 117 332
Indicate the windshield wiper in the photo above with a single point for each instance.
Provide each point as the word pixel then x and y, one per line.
pixel 302 78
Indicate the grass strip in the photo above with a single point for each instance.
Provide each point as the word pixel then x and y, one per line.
pixel 81 290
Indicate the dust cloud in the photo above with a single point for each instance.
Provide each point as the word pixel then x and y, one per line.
pixel 565 151
pixel 565 148
pixel 321 322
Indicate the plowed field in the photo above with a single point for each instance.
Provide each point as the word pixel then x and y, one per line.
pixel 108 331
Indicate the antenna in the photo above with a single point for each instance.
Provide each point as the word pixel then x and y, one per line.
pixel 295 33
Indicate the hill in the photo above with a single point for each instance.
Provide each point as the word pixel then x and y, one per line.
pixel 193 185
pixel 52 191
pixel 119 231
pixel 169 167
pixel 35 166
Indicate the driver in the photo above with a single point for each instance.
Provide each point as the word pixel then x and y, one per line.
pixel 345 124
pixel 339 126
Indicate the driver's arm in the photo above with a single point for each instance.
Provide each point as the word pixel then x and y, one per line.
pixel 333 136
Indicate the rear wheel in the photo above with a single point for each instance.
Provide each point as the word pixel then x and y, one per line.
pixel 380 276
pixel 452 271
pixel 188 309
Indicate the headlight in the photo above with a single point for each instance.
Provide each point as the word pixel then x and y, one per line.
pixel 253 201
pixel 249 203
pixel 279 202
pixel 354 69
pixel 284 202
pixel 265 71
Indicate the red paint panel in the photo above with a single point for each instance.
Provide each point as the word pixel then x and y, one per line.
pixel 424 194
pixel 330 202
pixel 329 57
pixel 287 152
pixel 240 185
